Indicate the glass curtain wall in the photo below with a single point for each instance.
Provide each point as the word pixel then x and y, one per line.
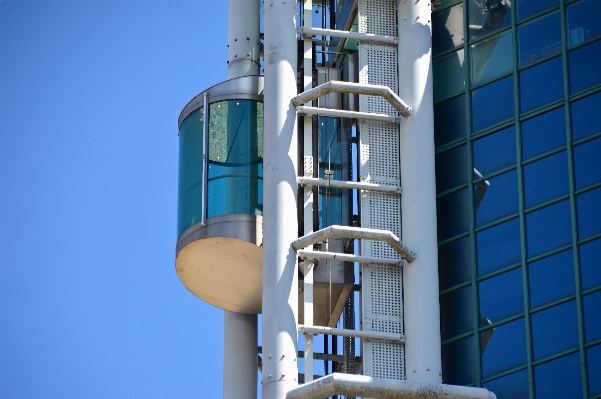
pixel 517 92
pixel 235 176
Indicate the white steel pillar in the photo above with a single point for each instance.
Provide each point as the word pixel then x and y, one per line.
pixel 240 330
pixel 280 225
pixel 243 38
pixel 240 356
pixel 418 202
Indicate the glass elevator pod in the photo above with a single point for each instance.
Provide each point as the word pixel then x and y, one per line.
pixel 220 199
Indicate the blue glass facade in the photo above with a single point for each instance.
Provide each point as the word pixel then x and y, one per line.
pixel 517 99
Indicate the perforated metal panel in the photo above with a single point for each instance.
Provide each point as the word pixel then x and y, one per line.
pixel 381 286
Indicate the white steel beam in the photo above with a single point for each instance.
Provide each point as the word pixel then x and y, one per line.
pixel 309 32
pixel 383 336
pixel 304 110
pixel 280 225
pixel 314 181
pixel 418 203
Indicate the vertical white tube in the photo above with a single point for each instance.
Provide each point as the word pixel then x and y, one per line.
pixel 280 226
pixel 240 330
pixel 243 38
pixel 240 356
pixel 308 191
pixel 418 202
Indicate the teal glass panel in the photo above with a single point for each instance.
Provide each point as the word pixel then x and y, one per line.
pixel 511 386
pixel 584 66
pixel 447 29
pixel 586 118
pixel 592 316
pixel 330 158
pixel 546 179
pixel 587 162
pixel 189 199
pixel 500 200
pixel 584 21
pixel 501 296
pixel 448 75
pixel 589 213
pixel 551 278
pixel 492 103
pixel 451 168
pixel 593 363
pixel 505 349
pixel 554 330
pixel 449 120
pixel 539 38
pixel 543 133
pixel 590 267
pixel 235 176
pixel 491 58
pixel 495 151
pixel 548 228
pixel 486 16
pixel 549 75
pixel 452 213
pixel 559 378
pixel 459 362
pixel 454 263
pixel 456 313
pixel 527 8
pixel 498 247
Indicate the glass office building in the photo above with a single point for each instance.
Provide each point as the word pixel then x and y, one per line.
pixel 518 162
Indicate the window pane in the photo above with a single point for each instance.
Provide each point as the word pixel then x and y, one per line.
pixel 512 386
pixel 506 349
pixel 559 378
pixel 452 213
pixel 501 296
pixel 589 213
pixel 498 247
pixel 590 267
pixel 456 313
pixel 583 21
pixel 501 198
pixel 586 118
pixel 539 38
pixel 491 58
pixel 495 151
pixel 448 75
pixel 587 162
pixel 488 16
pixel 527 8
pixel 592 316
pixel 451 168
pixel 447 29
pixel 543 133
pixel 584 66
pixel 554 330
pixel 549 75
pixel 546 179
pixel 330 158
pixel 492 103
pixel 551 278
pixel 593 361
pixel 548 228
pixel 449 120
pixel 454 263
pixel 189 206
pixel 459 362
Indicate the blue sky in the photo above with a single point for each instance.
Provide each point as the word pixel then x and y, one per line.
pixel 90 304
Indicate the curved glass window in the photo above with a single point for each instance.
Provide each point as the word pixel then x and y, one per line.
pixel 235 175
pixel 189 206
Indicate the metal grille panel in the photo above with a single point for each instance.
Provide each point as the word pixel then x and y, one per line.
pixel 381 289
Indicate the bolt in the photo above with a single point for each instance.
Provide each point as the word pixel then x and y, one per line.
pixel 269 375
pixel 270 356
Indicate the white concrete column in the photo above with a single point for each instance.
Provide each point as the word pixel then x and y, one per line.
pixel 243 38
pixel 280 225
pixel 240 356
pixel 240 330
pixel 418 202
